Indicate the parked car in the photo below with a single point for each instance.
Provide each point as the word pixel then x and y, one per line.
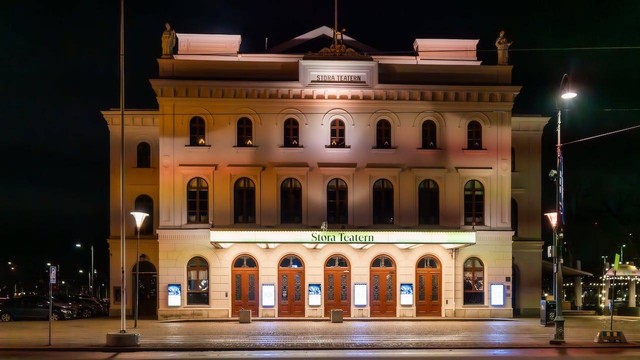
pixel 89 304
pixel 84 307
pixel 33 307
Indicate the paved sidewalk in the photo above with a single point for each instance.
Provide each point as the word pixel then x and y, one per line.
pixel 287 334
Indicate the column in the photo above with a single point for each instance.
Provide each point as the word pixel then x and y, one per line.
pixel 577 287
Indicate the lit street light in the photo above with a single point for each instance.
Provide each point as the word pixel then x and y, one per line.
pixel 139 217
pixel 557 218
pixel 622 253
pixel 91 275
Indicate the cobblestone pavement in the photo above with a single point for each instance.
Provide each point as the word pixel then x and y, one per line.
pixel 87 334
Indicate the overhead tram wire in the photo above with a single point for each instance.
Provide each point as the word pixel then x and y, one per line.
pixel 602 135
pixel 214 113
pixel 414 53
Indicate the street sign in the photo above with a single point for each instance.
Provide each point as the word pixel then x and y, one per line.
pixel 52 274
pixel 616 263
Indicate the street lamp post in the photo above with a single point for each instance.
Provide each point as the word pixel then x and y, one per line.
pixel 558 320
pixel 557 218
pixel 604 275
pixel 122 338
pixel 91 275
pixel 139 216
pixel 622 253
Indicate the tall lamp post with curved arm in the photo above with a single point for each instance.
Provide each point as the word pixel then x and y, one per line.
pixel 557 218
pixel 139 216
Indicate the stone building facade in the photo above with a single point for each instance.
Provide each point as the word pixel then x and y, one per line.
pixel 296 184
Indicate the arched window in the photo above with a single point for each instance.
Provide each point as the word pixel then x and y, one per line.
pixel 245 261
pixel 474 135
pixel 245 132
pixel 197 281
pixel 383 134
pixel 244 201
pixel 337 212
pixel 144 155
pixel 473 277
pixel 473 203
pixel 144 204
pixel 197 201
pixel 382 261
pixel 291 261
pixel 427 262
pixel 337 134
pixel 429 139
pixel 196 131
pixel 383 202
pixel 291 133
pixel 290 201
pixel 337 261
pixel 428 203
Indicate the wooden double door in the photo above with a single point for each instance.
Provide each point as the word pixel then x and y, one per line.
pixel 291 287
pixel 383 287
pixel 428 294
pixel 244 286
pixel 147 290
pixel 337 284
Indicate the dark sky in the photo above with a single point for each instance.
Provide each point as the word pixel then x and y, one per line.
pixel 60 69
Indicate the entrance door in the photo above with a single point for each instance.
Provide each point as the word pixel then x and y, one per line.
pixel 244 285
pixel 337 283
pixel 429 287
pixel 291 299
pixel 147 290
pixel 383 287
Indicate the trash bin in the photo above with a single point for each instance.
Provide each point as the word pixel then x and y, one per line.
pixel 244 316
pixel 547 312
pixel 336 315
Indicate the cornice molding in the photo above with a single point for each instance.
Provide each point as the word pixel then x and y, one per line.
pixel 485 94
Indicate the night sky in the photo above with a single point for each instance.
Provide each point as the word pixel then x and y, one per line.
pixel 60 68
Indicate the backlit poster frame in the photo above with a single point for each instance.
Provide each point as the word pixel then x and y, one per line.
pixel 360 294
pixel 315 295
pixel 406 294
pixel 497 294
pixel 174 295
pixel 268 295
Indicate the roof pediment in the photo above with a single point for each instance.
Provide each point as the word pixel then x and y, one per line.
pixel 319 34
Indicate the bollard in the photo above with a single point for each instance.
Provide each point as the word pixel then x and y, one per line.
pixel 336 315
pixel 244 316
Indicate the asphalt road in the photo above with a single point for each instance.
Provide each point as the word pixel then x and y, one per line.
pixel 309 339
pixel 458 354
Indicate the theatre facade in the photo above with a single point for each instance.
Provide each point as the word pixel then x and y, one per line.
pixel 295 183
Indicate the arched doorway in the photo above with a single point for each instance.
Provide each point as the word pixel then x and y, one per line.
pixel 337 284
pixel 383 287
pixel 428 287
pixel 147 289
pixel 291 299
pixel 244 285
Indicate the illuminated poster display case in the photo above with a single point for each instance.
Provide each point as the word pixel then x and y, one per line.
pixel 315 295
pixel 497 294
pixel 268 295
pixel 360 294
pixel 174 294
pixel 406 294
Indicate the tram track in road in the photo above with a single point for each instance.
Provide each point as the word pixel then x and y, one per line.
pixel 323 341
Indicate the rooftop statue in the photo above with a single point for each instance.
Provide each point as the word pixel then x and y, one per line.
pixel 503 49
pixel 168 41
